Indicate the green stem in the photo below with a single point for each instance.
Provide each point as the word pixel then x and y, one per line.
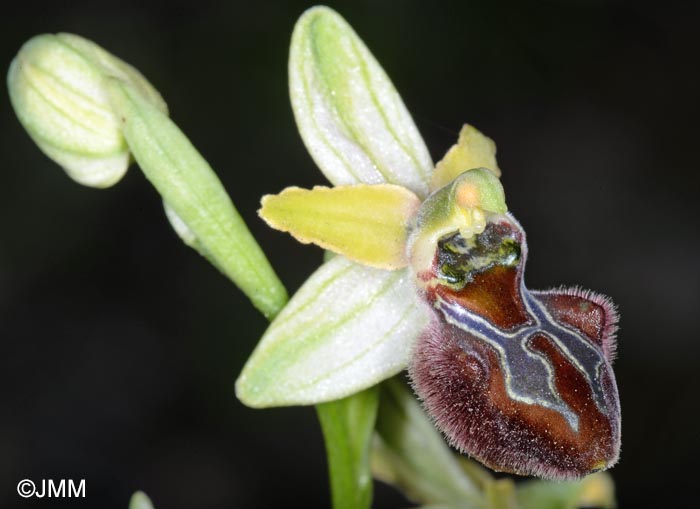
pixel 347 426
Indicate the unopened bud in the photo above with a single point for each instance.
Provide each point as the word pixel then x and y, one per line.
pixel 57 88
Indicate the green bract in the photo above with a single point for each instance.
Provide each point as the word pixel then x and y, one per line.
pixel 409 452
pixel 199 207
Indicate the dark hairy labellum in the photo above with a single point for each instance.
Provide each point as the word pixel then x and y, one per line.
pixel 519 379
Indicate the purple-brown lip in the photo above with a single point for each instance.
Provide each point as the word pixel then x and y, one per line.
pixel 519 379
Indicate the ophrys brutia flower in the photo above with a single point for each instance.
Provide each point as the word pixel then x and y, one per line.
pixel 429 277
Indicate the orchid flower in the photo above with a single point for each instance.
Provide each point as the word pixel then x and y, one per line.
pixel 425 274
pixel 428 275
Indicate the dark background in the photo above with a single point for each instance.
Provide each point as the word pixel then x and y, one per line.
pixel 119 345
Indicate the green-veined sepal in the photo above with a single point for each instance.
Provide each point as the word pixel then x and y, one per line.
pixel 347 328
pixel 349 114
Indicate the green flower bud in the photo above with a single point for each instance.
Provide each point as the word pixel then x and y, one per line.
pixel 140 500
pixel 57 88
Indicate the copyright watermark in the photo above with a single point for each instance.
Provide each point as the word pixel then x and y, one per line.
pixel 51 488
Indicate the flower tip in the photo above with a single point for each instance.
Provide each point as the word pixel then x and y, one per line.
pixel 248 395
pixel 140 500
pixel 318 10
pixel 472 150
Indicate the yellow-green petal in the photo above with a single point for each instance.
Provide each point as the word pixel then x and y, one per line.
pixel 473 150
pixel 367 224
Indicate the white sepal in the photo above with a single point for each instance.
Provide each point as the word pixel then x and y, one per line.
pixel 347 328
pixel 349 114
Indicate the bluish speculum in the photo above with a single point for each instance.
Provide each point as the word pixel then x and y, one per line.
pixel 518 379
